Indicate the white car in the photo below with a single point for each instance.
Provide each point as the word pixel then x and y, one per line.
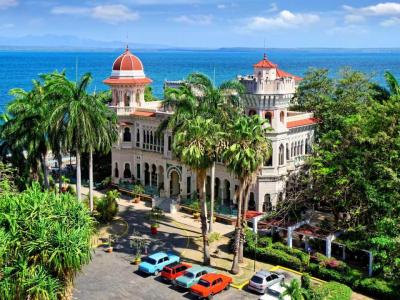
pixel 263 280
pixel 274 291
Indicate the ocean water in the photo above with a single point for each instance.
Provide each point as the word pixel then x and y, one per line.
pixel 18 68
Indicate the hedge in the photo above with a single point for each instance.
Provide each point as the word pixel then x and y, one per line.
pixel 334 291
pixel 280 254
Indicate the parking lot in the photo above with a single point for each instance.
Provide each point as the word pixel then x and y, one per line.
pixel 111 276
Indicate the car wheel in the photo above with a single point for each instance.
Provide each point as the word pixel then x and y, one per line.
pixel 156 273
pixel 210 297
pixel 227 287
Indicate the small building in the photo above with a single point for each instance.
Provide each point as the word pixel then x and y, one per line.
pixel 141 155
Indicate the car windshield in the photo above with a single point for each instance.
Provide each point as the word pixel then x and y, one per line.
pixel 257 279
pixel 150 260
pixel 204 283
pixel 167 270
pixel 189 275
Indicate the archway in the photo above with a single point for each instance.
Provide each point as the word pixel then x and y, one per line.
pixel 267 205
pixel 160 177
pixel 227 193
pixel 116 171
pixel 216 187
pixel 153 175
pixel 127 134
pixel 252 202
pixel 268 117
pixel 146 174
pixel 127 171
pixel 174 184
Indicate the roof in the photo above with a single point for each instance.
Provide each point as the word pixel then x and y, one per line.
pixel 158 255
pixel 303 122
pixel 144 114
pixel 210 277
pixel 250 214
pixel 283 74
pixel 127 62
pixel 263 273
pixel 265 63
pixel 116 80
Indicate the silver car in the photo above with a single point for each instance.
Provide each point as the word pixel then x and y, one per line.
pixel 263 280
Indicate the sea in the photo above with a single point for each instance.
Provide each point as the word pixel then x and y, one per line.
pixel 19 68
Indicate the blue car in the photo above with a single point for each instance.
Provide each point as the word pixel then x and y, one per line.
pixel 153 264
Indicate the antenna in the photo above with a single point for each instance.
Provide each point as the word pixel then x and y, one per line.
pixel 127 40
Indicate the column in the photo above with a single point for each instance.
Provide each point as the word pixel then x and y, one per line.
pixel 289 237
pixel 328 246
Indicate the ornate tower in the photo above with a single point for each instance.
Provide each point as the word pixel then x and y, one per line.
pixel 127 83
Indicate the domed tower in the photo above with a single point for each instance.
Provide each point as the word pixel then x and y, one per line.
pixel 127 82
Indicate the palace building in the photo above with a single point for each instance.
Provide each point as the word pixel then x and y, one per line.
pixel 141 155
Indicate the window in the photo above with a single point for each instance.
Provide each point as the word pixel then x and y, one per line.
pixel 127 171
pixel 287 152
pixel 116 171
pixel 138 138
pixel 127 135
pixel 281 155
pixel 268 162
pixel 127 100
pixel 282 116
pixel 138 171
pixel 169 143
pixel 268 116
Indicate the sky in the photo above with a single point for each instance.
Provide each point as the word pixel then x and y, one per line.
pixel 208 23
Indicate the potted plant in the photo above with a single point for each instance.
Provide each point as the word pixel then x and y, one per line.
pixel 155 214
pixel 137 243
pixel 137 190
pixel 196 215
pixel 109 248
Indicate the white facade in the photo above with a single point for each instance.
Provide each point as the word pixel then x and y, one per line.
pixel 142 155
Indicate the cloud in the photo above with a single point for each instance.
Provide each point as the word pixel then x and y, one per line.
pixel 161 2
pixel 285 19
pixel 6 26
pixel 194 19
pixel 221 6
pixel 352 19
pixel 390 22
pixel 380 9
pixel 4 4
pixel 113 13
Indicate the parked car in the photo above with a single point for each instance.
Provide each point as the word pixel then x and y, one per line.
pixel 173 271
pixel 274 292
pixel 211 284
pixel 192 276
pixel 264 279
pixel 154 263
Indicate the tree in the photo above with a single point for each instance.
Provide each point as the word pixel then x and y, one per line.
pixel 248 148
pixel 193 144
pixel 293 290
pixel 75 114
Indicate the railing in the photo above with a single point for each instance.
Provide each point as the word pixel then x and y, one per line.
pixel 123 110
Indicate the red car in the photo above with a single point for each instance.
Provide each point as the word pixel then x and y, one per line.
pixel 171 272
pixel 210 284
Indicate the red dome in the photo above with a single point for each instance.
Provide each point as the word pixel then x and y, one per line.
pixel 127 62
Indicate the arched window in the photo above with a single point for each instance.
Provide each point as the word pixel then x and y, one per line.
pixel 137 137
pixel 116 171
pixel 287 152
pixel 292 150
pixel 281 155
pixel 127 100
pixel 127 171
pixel 302 147
pixel 268 162
pixel 282 116
pixel 307 150
pixel 127 134
pixel 137 97
pixel 268 116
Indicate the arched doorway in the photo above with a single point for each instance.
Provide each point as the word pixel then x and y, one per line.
pixel 153 175
pixel 174 185
pixel 227 193
pixel 252 202
pixel 127 171
pixel 267 205
pixel 160 178
pixel 116 171
pixel 146 174
pixel 216 187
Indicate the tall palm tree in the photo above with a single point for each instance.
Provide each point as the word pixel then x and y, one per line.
pixel 193 144
pixel 105 135
pixel 248 148
pixel 74 113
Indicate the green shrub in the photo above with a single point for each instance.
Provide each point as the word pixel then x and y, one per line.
pixel 378 288
pixel 214 236
pixel 107 207
pixel 306 281
pixel 334 291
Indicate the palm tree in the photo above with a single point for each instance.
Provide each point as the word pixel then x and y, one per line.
pixel 105 135
pixel 293 290
pixel 74 113
pixel 248 148
pixel 193 144
pixel 394 85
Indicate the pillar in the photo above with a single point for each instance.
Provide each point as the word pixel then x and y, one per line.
pixel 290 237
pixel 328 245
